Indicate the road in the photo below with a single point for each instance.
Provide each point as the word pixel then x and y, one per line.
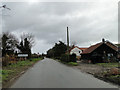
pixel 49 73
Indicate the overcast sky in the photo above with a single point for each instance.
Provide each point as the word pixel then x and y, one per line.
pixel 88 22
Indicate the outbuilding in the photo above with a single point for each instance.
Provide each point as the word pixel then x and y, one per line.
pixel 104 51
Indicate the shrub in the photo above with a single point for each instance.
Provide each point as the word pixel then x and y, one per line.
pixel 65 58
pixel 73 58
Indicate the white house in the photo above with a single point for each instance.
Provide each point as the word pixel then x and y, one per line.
pixel 76 50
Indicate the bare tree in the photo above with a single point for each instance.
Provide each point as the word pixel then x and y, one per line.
pixel 30 39
pixel 27 42
pixel 9 42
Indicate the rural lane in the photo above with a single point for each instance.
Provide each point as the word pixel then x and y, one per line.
pixel 49 73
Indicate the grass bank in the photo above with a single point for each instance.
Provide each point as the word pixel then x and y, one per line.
pixel 11 71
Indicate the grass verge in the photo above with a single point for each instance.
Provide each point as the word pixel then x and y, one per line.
pixel 67 63
pixel 108 64
pixel 73 63
pixel 13 70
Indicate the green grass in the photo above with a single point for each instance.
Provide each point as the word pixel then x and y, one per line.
pixel 35 59
pixel 21 63
pixel 73 63
pixel 12 70
pixel 24 63
pixel 5 74
pixel 108 64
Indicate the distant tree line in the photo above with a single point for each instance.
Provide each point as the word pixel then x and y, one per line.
pixel 11 45
pixel 59 51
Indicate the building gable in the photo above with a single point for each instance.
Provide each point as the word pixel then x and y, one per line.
pixel 76 51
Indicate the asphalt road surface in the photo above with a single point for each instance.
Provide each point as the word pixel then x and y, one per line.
pixel 49 73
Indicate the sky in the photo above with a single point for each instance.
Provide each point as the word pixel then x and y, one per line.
pixel 88 22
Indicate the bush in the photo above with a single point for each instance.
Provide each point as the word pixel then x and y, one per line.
pixel 73 58
pixel 68 58
pixel 65 58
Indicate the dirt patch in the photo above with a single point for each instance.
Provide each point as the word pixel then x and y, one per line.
pixel 100 72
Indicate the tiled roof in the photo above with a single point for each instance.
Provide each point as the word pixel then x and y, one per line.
pixel 82 48
pixel 113 46
pixel 93 47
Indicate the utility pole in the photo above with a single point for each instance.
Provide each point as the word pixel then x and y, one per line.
pixel 67 40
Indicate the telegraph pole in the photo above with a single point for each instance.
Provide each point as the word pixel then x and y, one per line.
pixel 67 40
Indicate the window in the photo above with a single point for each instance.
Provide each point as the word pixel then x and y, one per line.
pixel 110 54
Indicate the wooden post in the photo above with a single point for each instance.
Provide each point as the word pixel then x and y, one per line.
pixel 67 40
pixel 68 44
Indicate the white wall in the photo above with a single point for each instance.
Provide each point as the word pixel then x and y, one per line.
pixel 76 51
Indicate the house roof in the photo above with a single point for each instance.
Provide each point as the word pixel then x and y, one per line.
pixel 78 48
pixel 82 48
pixel 93 47
pixel 113 46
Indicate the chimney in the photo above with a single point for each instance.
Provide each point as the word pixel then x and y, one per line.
pixel 103 40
